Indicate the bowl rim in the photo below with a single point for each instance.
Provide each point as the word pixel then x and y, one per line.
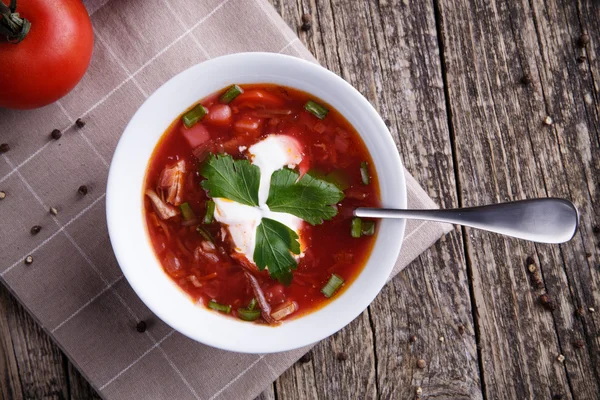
pixel 224 341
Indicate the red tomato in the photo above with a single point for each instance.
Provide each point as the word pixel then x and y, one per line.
pixel 219 114
pixel 319 127
pixel 232 146
pixel 51 59
pixel 253 98
pixel 341 143
pixel 275 294
pixel 196 136
pixel 248 124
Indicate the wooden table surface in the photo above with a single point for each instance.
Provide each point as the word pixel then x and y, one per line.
pixel 466 86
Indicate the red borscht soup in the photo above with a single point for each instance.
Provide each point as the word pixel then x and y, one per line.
pixel 249 198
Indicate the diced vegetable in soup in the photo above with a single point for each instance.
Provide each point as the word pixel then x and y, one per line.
pixel 249 198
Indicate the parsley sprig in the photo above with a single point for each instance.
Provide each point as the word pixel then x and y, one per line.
pixel 275 244
pixel 236 180
pixel 306 197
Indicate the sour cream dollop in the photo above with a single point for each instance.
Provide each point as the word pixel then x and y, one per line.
pixel 269 155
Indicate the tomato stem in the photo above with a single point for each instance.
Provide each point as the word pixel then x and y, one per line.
pixel 13 28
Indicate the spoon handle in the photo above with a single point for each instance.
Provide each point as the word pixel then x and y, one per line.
pixel 549 220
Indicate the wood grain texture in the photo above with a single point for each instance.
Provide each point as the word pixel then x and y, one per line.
pixel 430 299
pixel 10 381
pixel 267 394
pixel 79 388
pixel 504 151
pixel 32 368
pixel 446 76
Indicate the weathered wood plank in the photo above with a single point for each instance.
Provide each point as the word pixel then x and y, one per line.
pixel 431 299
pixel 79 388
pixel 570 96
pixel 344 364
pixel 299 381
pixel 432 312
pixel 388 50
pixel 10 381
pixel 505 151
pixel 34 370
pixel 267 394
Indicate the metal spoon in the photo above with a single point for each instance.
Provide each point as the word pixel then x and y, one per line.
pixel 548 220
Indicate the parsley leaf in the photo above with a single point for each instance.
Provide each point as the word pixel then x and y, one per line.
pixel 236 180
pixel 308 198
pixel 274 244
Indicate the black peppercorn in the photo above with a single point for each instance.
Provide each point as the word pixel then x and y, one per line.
pixel 56 134
pixel 83 190
pixel 306 26
pixel 141 326
pixel 581 59
pixel 526 79
pixel 547 302
pixel 36 229
pixel 341 356
pixel 4 147
pixel 80 123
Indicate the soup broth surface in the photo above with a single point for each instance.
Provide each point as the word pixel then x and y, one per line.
pixel 203 258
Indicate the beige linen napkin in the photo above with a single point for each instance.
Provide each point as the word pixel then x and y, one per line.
pixel 74 287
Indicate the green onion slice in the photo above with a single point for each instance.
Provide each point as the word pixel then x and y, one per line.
pixel 368 228
pixel 230 94
pixel 253 304
pixel 186 212
pixel 332 285
pixel 205 234
pixel 316 109
pixel 210 212
pixel 219 307
pixel 191 117
pixel 248 315
pixel 356 230
pixel 364 173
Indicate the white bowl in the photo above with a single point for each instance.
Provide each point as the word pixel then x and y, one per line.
pixel 126 224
